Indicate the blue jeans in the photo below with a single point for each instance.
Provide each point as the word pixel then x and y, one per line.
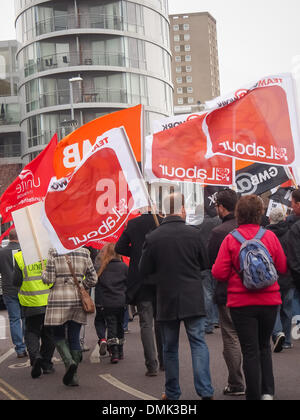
pixel 284 316
pixel 16 322
pixel 73 334
pixel 200 356
pixel 209 287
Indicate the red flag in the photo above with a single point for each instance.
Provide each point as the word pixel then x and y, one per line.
pixel 95 202
pixel 31 185
pixel 6 233
pixel 257 124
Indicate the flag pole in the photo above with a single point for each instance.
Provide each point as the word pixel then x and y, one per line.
pixel 36 241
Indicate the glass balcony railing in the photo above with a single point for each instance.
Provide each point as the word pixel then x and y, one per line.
pixel 82 21
pixel 62 97
pixel 85 58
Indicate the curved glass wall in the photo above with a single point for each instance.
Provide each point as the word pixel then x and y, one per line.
pixel 121 51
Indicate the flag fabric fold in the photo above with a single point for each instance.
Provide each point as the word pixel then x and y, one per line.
pixel 32 183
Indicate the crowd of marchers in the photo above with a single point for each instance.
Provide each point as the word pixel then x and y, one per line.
pixel 239 271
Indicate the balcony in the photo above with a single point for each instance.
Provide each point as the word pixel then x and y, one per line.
pixel 85 58
pixel 62 97
pixel 82 21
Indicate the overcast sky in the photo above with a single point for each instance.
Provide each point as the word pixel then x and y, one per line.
pixel 255 37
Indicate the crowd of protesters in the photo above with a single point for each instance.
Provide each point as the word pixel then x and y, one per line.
pixel 177 273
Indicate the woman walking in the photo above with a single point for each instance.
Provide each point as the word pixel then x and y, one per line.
pixel 64 311
pixel 253 311
pixel 110 300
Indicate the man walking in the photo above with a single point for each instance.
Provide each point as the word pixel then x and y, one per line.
pixel 10 294
pixel 130 244
pixel 33 297
pixel 225 204
pixel 174 257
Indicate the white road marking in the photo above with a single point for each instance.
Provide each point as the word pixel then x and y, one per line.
pixel 6 355
pixel 2 328
pixel 132 391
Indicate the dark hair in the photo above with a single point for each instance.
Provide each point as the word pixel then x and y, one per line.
pixel 227 198
pixel 296 195
pixel 249 210
pixel 12 236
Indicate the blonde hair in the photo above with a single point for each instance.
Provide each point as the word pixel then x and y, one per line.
pixel 107 254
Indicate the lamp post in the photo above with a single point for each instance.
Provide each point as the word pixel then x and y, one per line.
pixel 71 81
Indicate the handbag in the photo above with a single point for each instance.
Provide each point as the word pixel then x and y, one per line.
pixel 88 304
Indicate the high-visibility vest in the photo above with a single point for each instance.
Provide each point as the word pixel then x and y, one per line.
pixel 33 291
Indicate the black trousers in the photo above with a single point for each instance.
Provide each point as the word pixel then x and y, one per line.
pixel 114 318
pixel 254 326
pixel 39 340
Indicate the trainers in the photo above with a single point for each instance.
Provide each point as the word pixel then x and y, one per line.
pixel 233 391
pixel 21 355
pixel 102 347
pixel 151 373
pixel 280 339
pixel 287 346
pixel 267 397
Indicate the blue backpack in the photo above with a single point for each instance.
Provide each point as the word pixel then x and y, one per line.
pixel 257 269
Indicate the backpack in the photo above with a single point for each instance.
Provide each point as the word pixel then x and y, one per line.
pixel 257 269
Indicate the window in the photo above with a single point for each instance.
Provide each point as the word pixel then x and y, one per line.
pixel 180 101
pixel 189 79
pixel 179 90
pixel 176 27
pixel 178 58
pixel 188 58
pixel 186 37
pixel 187 47
pixel 178 69
pixel 177 48
pixel 179 79
pixel 188 69
pixel 190 100
pixel 176 38
pixel 186 27
pixel 190 90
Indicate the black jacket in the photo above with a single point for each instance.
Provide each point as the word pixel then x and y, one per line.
pixel 217 236
pixel 110 291
pixel 173 255
pixel 281 230
pixel 7 268
pixel 130 244
pixel 293 251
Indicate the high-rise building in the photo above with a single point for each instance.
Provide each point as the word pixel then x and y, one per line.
pixel 80 59
pixel 195 64
pixel 10 136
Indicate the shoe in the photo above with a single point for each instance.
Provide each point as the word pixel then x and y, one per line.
pixel 267 397
pixel 232 391
pixel 287 346
pixel 207 398
pixel 21 355
pixel 102 347
pixel 151 373
pixel 114 359
pixel 36 370
pixel 70 365
pixel 209 332
pixel 280 339
pixel 164 397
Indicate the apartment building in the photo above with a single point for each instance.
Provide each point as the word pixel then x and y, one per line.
pixel 195 64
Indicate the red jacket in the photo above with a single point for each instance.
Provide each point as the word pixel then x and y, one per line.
pixel 228 258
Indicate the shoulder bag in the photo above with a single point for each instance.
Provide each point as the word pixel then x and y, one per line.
pixel 88 304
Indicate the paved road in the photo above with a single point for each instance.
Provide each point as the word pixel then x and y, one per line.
pixel 100 380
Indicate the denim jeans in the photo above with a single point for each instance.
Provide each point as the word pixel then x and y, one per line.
pixel 72 330
pixel 200 356
pixel 284 316
pixel 16 322
pixel 209 287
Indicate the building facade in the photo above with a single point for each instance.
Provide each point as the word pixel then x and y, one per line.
pixel 195 65
pixel 10 135
pixel 116 52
